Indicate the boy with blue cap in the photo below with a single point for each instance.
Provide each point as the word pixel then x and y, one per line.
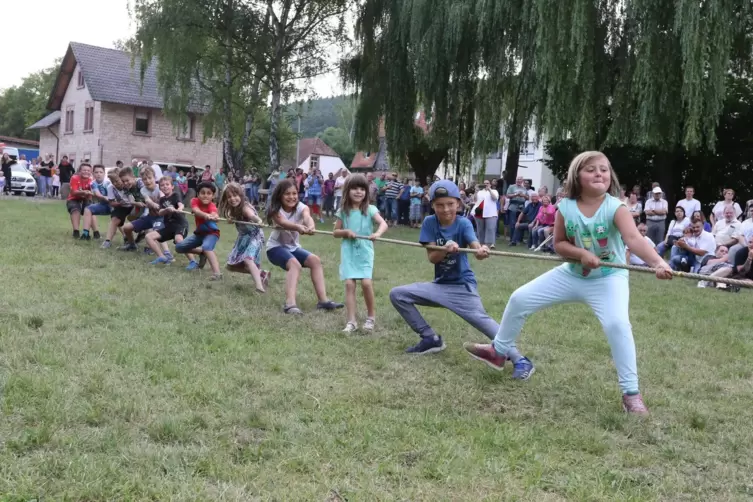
pixel 454 286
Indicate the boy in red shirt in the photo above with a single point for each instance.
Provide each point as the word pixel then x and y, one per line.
pixel 207 233
pixel 79 196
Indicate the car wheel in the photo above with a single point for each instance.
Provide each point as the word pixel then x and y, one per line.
pixel 17 193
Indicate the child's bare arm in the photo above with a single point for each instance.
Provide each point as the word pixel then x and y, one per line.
pixel 251 215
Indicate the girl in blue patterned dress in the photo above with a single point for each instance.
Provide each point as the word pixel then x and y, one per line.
pixel 356 218
pixel 246 254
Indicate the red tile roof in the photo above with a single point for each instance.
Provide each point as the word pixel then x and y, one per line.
pixel 361 161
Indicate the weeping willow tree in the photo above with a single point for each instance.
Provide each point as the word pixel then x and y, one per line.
pixel 600 72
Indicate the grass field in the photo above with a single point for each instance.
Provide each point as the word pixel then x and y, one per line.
pixel 121 381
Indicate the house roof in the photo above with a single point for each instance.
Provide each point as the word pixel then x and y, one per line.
pixel 313 146
pixel 363 161
pixel 111 77
pixel 19 141
pixel 51 119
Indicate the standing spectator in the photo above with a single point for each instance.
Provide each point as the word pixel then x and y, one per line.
pixel 656 215
pixel 219 180
pixel 23 162
pixel 391 191
pixel 486 214
pixel 192 180
pixel 6 163
pixel 729 201
pixel 314 194
pixel 339 183
pixel 650 195
pixel 403 203
pixel 517 195
pixel 381 182
pixel 66 171
pixel 328 192
pixel 207 175
pixel 689 204
pixel 45 176
pixel 373 189
pixel 635 207
pixel 416 194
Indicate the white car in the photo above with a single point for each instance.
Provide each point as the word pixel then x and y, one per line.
pixel 21 181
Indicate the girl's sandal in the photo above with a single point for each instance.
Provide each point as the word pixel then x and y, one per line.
pixel 292 309
pixel 369 324
pixel 350 327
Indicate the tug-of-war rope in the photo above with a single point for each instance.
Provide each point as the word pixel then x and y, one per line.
pixel 525 256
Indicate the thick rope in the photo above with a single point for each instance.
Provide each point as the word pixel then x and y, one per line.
pixel 528 256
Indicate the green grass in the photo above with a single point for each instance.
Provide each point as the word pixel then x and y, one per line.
pixel 120 381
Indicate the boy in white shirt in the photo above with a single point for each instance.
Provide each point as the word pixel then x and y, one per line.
pixel 634 259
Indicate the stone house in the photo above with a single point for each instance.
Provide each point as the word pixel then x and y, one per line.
pixel 102 113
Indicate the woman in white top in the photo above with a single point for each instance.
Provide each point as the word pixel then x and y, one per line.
pixel 634 207
pixel 675 231
pixel 486 214
pixel 729 200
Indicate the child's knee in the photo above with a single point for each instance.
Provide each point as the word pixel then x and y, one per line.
pixel 293 266
pixel 350 286
pixel 313 261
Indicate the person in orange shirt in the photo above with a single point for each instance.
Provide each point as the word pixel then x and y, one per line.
pixel 79 196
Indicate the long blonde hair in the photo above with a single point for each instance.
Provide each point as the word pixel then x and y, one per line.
pixel 572 183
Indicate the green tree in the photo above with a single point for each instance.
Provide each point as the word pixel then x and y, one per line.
pixel 22 105
pixel 639 72
pixel 339 140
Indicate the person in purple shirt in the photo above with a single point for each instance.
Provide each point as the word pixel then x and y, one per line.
pixel 328 194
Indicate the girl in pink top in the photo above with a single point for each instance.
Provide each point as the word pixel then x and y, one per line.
pixel 544 221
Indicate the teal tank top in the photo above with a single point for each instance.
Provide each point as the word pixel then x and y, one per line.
pixel 597 234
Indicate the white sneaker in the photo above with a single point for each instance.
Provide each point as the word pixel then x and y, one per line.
pixel 350 327
pixel 369 324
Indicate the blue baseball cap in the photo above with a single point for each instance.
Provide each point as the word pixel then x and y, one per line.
pixel 443 188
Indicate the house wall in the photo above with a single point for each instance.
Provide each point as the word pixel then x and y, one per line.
pixel 119 142
pixel 48 143
pixel 326 165
pixel 78 145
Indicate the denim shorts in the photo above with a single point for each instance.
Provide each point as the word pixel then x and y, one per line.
pixel 281 255
pixel 314 199
pixel 205 242
pixel 144 223
pixel 99 209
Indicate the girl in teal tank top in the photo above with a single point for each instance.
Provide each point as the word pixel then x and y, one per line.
pixel 591 226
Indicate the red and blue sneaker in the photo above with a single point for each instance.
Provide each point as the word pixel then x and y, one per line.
pixel 486 354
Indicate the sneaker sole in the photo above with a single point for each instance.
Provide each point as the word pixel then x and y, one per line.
pixel 486 361
pixel 432 350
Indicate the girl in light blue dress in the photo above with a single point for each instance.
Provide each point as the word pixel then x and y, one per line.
pixel 356 219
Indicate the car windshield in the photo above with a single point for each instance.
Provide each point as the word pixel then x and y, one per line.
pixel 18 168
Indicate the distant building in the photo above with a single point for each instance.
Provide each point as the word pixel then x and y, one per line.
pixel 315 153
pixel 531 164
pixel 27 147
pixel 102 113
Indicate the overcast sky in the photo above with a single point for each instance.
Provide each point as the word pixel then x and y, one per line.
pixel 56 23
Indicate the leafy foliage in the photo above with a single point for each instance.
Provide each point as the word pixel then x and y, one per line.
pixel 601 72
pixel 22 105
pixel 338 139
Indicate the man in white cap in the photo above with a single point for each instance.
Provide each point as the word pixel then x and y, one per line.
pixel 656 215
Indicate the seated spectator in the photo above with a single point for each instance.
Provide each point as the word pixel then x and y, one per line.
pixel 691 248
pixel 729 201
pixel 725 229
pixel 543 223
pixel 525 219
pixel 711 264
pixel 740 269
pixel 699 216
pixel 744 235
pixel 634 259
pixel 675 231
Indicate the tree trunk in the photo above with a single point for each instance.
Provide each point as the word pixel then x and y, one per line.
pixel 424 162
pixel 664 173
pixel 458 150
pixel 275 110
pixel 512 162
pixel 249 126
pixel 227 120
